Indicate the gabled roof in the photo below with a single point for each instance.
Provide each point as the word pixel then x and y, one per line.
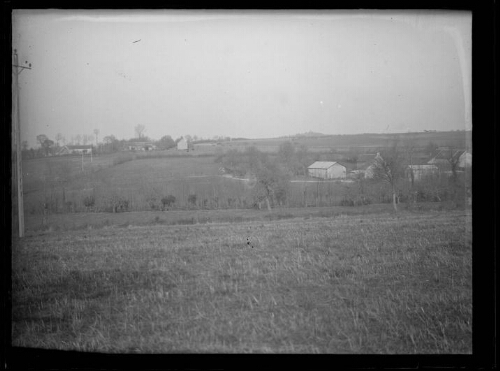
pixel 420 159
pixel 444 154
pixel 323 165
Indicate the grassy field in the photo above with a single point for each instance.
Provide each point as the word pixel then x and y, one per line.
pixel 368 283
pixel 142 179
pixel 34 224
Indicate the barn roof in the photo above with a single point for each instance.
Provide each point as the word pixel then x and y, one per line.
pixel 445 154
pixel 323 165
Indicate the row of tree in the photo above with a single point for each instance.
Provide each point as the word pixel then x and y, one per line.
pixel 109 143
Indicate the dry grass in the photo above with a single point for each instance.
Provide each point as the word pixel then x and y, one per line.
pixel 350 284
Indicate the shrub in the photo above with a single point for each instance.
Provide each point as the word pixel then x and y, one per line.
pixel 192 199
pixel 118 204
pixel 361 201
pixel 347 202
pixel 167 201
pixel 89 202
pixel 152 203
pixel 69 206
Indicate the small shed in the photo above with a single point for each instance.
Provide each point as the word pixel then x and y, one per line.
pixel 327 170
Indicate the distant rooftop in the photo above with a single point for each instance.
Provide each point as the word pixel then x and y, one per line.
pixel 322 165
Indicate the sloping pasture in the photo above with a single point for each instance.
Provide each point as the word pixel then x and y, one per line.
pixel 376 283
pixel 144 181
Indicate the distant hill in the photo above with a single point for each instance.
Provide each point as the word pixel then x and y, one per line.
pixel 309 134
pixel 362 143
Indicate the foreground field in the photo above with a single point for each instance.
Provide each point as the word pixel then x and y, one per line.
pixel 377 283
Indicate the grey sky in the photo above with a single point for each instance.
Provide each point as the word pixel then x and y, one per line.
pixel 242 74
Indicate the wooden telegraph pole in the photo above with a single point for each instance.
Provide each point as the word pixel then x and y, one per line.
pixel 16 123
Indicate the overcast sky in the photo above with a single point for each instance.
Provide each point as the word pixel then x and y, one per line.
pixel 242 74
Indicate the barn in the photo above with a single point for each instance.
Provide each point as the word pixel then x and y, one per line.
pixel 77 149
pixel 443 158
pixel 327 170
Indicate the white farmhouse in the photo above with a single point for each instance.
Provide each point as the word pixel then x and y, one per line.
pixel 327 170
pixel 182 144
pixel 465 160
pixel 443 158
pixel 371 165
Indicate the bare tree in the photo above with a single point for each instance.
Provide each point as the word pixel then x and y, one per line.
pixel 47 144
pixel 389 167
pixel 139 130
pixel 41 139
pixel 96 132
pixel 409 149
pixel 78 138
pixel 58 138
pixel 453 158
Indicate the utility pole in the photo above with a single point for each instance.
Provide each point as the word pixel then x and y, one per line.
pixel 16 123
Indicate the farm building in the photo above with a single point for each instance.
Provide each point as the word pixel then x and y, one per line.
pixel 422 171
pixel 327 170
pixel 182 144
pixel 77 149
pixel 369 166
pixel 464 158
pixel 141 146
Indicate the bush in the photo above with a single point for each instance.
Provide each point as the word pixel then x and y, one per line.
pixel 152 203
pixel 347 202
pixel 192 199
pixel 89 202
pixel 118 204
pixel 167 201
pixel 362 201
